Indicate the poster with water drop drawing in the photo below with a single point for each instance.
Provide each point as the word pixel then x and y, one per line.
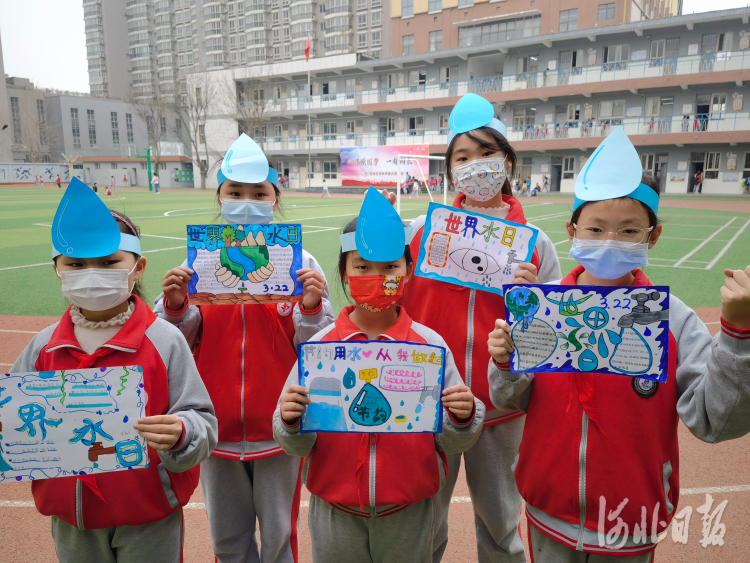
pixel 244 264
pixel 372 386
pixel 615 330
pixel 472 250
pixel 71 422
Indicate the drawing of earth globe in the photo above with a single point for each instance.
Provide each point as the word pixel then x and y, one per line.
pixel 522 302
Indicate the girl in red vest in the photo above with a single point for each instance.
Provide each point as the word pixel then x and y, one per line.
pixel 462 315
pixel 598 465
pixel 123 516
pixel 244 354
pixel 373 494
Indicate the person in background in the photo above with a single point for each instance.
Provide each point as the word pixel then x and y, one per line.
pixel 698 182
pixel 155 182
pixel 325 191
pixel 58 182
pixel 95 188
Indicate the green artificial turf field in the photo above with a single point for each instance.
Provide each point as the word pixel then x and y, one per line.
pixel 695 247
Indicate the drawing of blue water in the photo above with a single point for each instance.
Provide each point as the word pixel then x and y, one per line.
pixel 236 256
pixel 323 416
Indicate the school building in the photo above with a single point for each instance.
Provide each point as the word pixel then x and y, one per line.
pixel 561 80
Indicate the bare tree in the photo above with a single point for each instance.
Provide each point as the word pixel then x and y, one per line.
pixel 36 132
pixel 251 102
pixel 153 111
pixel 71 159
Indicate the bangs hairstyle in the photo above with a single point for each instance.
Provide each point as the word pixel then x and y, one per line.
pixel 350 227
pixel 500 143
pixel 647 179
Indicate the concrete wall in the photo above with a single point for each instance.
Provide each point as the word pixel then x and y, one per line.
pixel 24 173
pixel 6 136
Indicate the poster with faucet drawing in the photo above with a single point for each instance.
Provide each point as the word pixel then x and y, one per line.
pixel 472 250
pixel 380 386
pixel 615 330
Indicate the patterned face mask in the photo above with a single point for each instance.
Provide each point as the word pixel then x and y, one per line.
pixel 481 179
pixel 376 293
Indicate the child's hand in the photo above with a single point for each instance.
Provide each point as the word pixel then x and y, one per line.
pixel 293 403
pixel 500 343
pixel 313 288
pixel 174 284
pixel 161 432
pixel 460 401
pixel 735 298
pixel 390 196
pixel 526 273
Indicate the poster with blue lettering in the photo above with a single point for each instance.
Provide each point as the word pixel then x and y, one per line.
pixel 565 328
pixel 372 386
pixel 244 264
pixel 472 250
pixel 71 422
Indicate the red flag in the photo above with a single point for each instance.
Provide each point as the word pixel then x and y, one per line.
pixel 307 50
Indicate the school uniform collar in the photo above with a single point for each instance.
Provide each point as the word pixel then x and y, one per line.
pixel 572 277
pixel 127 339
pixel 515 213
pixel 398 332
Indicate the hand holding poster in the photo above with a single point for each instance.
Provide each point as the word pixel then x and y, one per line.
pixel 615 330
pixel 472 250
pixel 372 386
pixel 244 264
pixel 71 422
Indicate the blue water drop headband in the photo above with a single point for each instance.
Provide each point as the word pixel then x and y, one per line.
pixel 642 193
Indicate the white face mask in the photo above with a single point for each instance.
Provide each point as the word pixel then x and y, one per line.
pixel 481 179
pixel 96 289
pixel 247 211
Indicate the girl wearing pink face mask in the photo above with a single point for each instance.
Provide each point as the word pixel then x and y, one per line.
pixel 363 505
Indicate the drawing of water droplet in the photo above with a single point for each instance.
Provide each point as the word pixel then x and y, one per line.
pixel 389 427
pixel 419 408
pixel 410 426
pixel 125 419
pixel 417 419
pixel 572 322
pixel 320 365
pixel 588 361
pixel 592 338
pixel 402 403
pixel 349 379
pixel 647 332
pixel 333 368
pixel 603 350
pixel 547 311
pixel 567 354
pixel 352 427
pixel 558 325
pixel 346 398
pixel 307 373
pixel 96 465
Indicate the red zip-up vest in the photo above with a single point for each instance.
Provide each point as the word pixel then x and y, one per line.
pixel 631 439
pixel 462 316
pixel 131 497
pixel 244 357
pixel 405 469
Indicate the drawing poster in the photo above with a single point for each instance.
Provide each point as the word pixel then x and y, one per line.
pixel 372 386
pixel 472 250
pixel 616 330
pixel 71 422
pixel 244 264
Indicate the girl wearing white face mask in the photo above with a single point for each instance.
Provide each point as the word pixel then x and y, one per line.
pixel 244 354
pixel 122 516
pixel 480 162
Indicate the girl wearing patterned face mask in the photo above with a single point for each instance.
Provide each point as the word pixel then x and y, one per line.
pixel 480 163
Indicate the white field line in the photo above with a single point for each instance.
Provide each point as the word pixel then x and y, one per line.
pixel 547 217
pixel 691 225
pixel 721 253
pixel 50 262
pixel 454 500
pixel 701 245
pixel 561 242
pixel 19 331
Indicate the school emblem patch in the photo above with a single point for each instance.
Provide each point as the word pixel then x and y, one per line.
pixel 645 387
pixel 285 308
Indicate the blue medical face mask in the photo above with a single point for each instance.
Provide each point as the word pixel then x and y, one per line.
pixel 609 259
pixel 247 211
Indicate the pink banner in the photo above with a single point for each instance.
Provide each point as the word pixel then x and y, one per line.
pixel 377 166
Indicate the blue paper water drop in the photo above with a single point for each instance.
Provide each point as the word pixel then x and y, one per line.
pixel 402 403
pixel 419 408
pixel 125 419
pixel 245 161
pixel 320 365
pixel 647 332
pixel 592 338
pixel 410 426
pixel 547 311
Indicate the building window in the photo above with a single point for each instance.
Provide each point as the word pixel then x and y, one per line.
pixel 129 127
pixel 92 128
pixel 361 4
pixel 568 20
pixel 40 113
pixel 178 125
pixel 494 32
pixel 443 123
pixel 329 131
pixel 612 110
pixel 606 12
pixel 436 41
pixel 362 41
pixel 361 21
pixel 202 132
pixel 407 8
pixel 163 125
pixel 725 41
pixel 435 6
pixel 568 164
pixel 375 39
pixel 15 110
pixel 652 107
pixel 465 3
pixel 330 170
pixel 375 19
pixel 416 125
pixel 408 45
pixel 616 57
pixel 115 129
pixel 75 128
pixel 718 103
pixel 712 165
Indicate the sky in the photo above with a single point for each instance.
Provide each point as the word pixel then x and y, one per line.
pixel 44 40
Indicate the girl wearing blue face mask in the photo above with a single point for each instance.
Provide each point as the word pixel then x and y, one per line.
pixel 124 516
pixel 244 354
pixel 598 465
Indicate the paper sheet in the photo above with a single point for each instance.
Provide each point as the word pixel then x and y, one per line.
pixel 71 422
pixel 372 386
pixel 244 264
pixel 472 250
pixel 616 330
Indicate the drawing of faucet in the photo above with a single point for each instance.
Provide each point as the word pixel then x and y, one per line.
pixel 511 260
pixel 642 315
pixel 433 391
pixel 96 450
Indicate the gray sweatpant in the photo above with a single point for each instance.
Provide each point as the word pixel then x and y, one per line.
pixel 157 542
pixel 236 492
pixel 546 550
pixel 340 537
pixel 494 495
